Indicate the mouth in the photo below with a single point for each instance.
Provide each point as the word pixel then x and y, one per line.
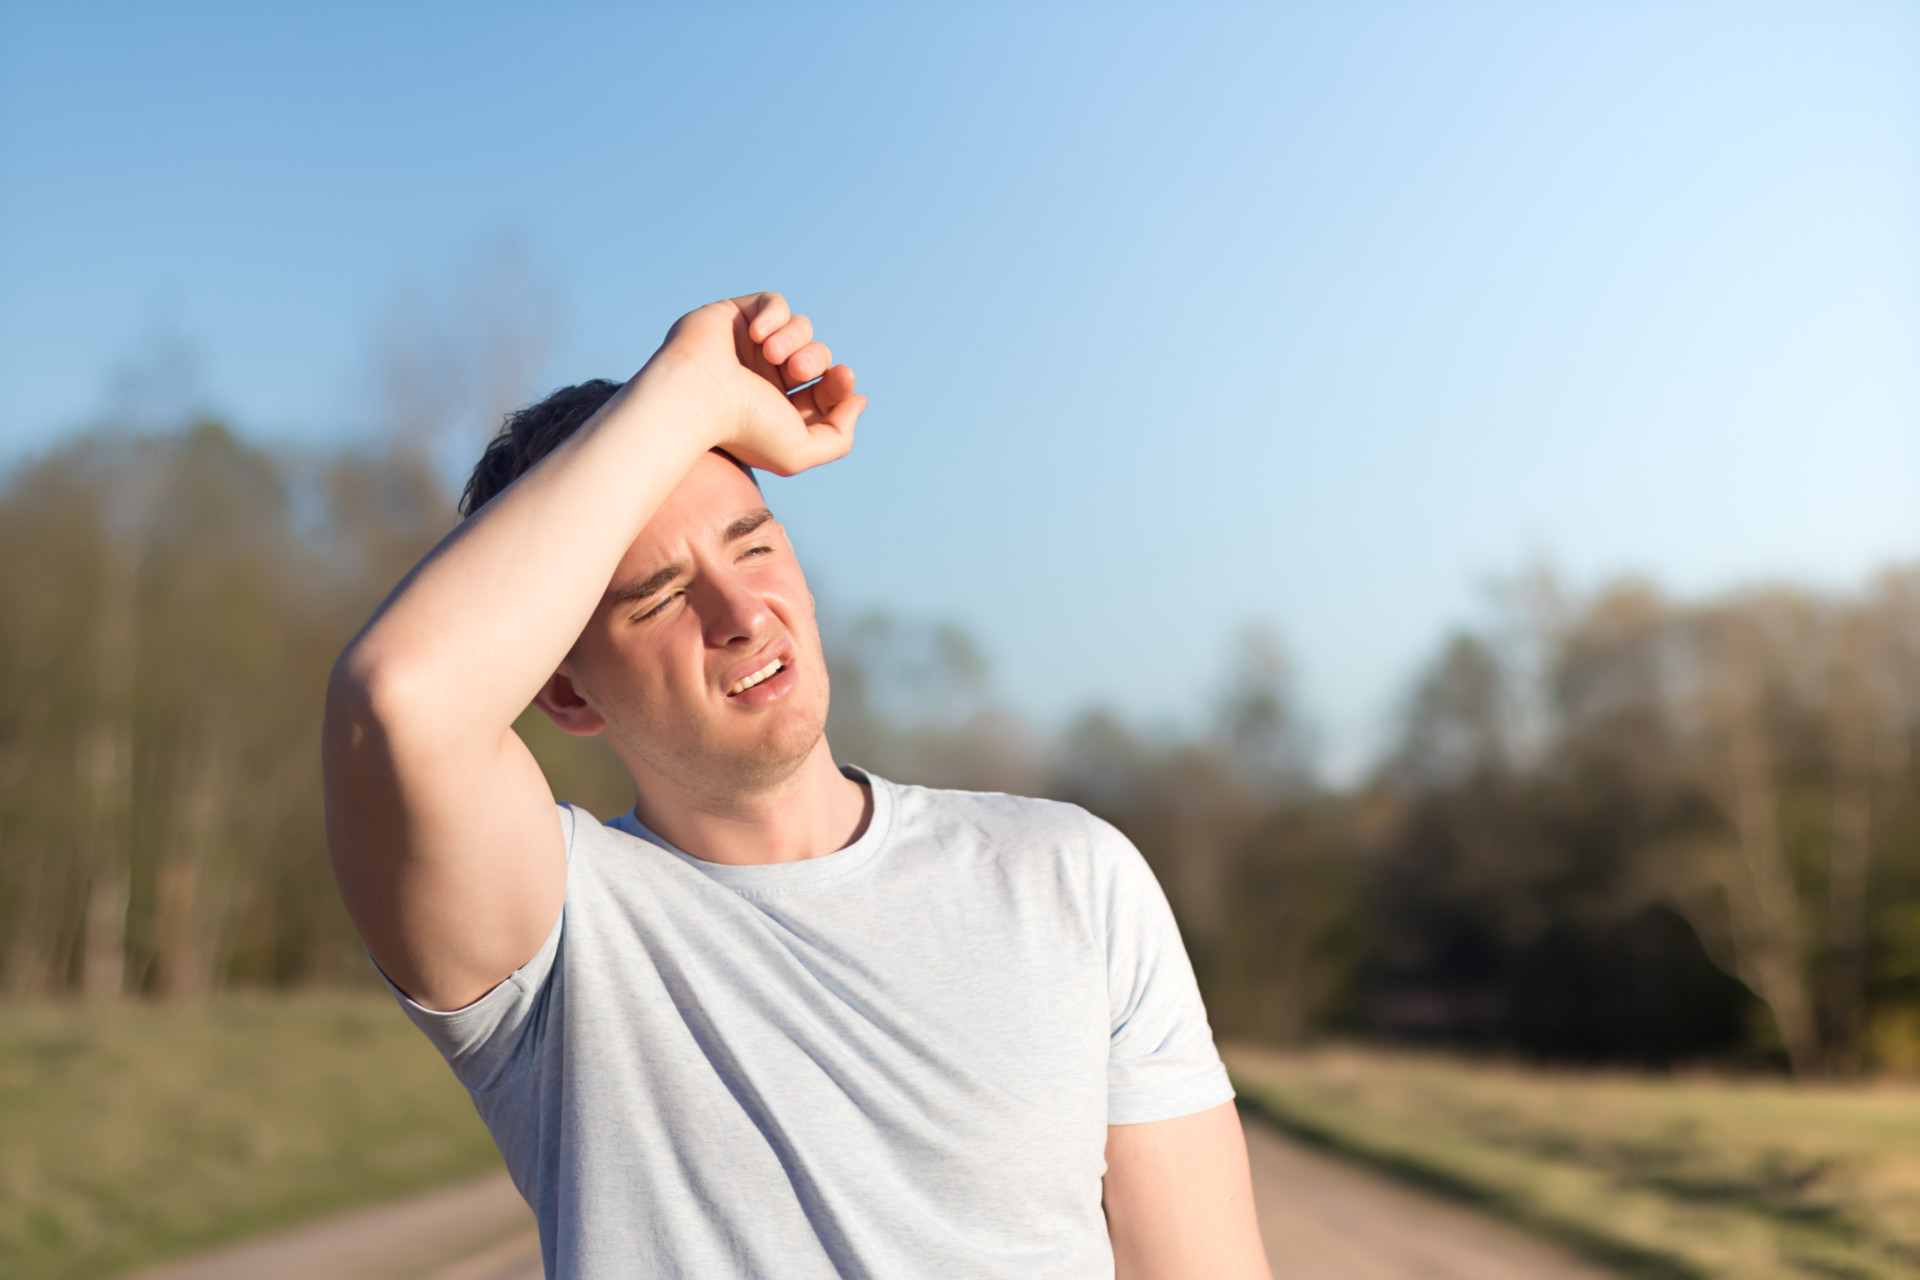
pixel 764 674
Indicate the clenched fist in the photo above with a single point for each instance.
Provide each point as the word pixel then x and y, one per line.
pixel 747 355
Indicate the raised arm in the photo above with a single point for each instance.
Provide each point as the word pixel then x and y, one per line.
pixel 1179 1200
pixel 443 833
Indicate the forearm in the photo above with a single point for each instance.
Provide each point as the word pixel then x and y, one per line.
pixel 440 822
pixel 483 621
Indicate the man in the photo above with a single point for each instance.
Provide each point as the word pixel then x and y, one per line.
pixel 783 1019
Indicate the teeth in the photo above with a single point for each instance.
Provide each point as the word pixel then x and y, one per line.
pixel 771 669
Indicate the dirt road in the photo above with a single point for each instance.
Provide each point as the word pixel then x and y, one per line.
pixel 479 1231
pixel 1325 1219
pixel 1322 1219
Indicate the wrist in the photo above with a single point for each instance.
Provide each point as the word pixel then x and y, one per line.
pixel 682 396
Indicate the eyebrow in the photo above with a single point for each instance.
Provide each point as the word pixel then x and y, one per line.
pixel 636 591
pixel 647 586
pixel 746 524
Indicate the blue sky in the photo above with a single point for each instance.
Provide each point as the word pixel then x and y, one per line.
pixel 1173 318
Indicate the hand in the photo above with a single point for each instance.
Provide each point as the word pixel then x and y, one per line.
pixel 750 351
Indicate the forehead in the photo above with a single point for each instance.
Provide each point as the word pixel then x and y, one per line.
pixel 697 512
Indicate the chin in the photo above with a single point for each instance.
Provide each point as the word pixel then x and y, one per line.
pixel 753 756
pixel 726 755
pixel 784 741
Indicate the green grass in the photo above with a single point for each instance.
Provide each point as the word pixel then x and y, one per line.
pixel 132 1133
pixel 1669 1178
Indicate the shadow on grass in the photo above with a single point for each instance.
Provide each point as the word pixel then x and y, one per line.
pixel 1624 1257
pixel 1784 1188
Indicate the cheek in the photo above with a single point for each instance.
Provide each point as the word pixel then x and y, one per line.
pixel 662 663
pixel 793 603
pixel 608 664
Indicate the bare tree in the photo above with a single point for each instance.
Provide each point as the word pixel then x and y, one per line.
pixel 1763 937
pixel 106 765
pixel 1870 717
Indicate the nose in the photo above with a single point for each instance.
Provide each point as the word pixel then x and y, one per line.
pixel 731 613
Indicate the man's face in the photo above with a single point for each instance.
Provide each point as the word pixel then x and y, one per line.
pixel 703 661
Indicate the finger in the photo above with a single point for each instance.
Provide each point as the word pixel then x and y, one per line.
pixel 817 402
pixel 808 363
pixel 793 335
pixel 835 385
pixel 765 313
pixel 831 437
pixel 841 420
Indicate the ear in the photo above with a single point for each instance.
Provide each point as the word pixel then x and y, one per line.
pixel 566 708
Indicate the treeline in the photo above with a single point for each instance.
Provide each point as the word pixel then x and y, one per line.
pixel 1629 826
pixel 1623 827
pixel 173 605
pixel 1616 828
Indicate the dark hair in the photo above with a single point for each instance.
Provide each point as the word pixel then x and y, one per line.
pixel 530 434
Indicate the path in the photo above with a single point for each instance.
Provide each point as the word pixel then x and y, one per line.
pixel 1323 1219
pixel 478 1231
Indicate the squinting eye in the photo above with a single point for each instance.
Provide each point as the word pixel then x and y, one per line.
pixel 656 609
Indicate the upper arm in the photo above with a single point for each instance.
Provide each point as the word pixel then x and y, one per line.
pixel 1161 1060
pixel 447 850
pixel 1179 1200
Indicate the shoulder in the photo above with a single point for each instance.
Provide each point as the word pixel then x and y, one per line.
pixel 598 850
pixel 1028 826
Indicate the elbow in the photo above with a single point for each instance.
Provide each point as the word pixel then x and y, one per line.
pixel 368 693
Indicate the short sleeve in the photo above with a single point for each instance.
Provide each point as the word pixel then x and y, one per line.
pixel 1161 1061
pixel 491 1041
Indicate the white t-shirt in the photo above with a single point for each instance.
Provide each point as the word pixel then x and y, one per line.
pixel 894 1061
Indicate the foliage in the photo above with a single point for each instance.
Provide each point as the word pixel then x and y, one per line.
pixel 1623 827
pixel 175 604
pixel 136 1132
pixel 182 597
pixel 1685 1176
pixel 1571 789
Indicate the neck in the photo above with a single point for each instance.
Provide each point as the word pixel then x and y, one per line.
pixel 815 810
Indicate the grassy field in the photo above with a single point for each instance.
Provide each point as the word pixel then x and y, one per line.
pixel 130 1134
pixel 1664 1178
